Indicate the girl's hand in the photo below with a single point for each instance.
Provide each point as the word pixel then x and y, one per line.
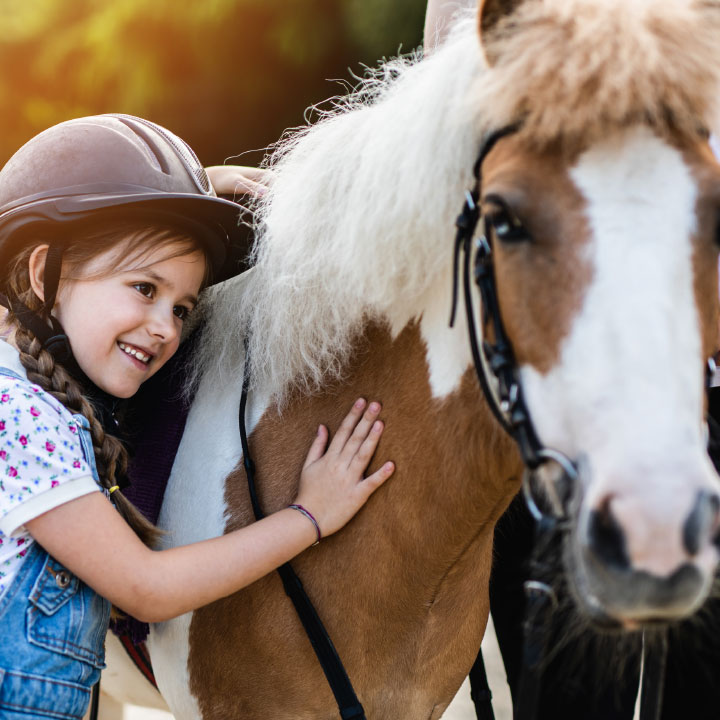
pixel 332 487
pixel 239 180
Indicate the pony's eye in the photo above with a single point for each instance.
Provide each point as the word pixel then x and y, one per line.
pixel 505 226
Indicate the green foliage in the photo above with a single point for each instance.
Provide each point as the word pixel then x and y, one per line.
pixel 227 75
pixel 383 27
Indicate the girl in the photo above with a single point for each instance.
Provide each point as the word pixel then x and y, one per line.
pixel 109 230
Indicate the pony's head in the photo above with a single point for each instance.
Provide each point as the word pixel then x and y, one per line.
pixel 603 209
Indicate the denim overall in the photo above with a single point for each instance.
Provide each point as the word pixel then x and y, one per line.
pixel 52 630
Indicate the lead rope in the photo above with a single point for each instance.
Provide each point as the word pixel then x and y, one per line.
pixel 507 404
pixel 347 701
pixel 654 665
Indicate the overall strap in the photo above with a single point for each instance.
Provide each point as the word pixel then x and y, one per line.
pixel 347 701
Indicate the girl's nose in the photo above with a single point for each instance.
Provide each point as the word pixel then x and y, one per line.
pixel 163 325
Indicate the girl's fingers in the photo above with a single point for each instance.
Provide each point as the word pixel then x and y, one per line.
pixel 243 186
pixel 371 483
pixel 317 449
pixel 346 427
pixel 361 432
pixel 238 180
pixel 259 175
pixel 360 458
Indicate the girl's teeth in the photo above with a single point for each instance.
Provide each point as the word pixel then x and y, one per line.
pixel 135 353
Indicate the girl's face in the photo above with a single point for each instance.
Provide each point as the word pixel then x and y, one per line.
pixel 124 325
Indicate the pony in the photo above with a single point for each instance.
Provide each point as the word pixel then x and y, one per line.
pixel 602 209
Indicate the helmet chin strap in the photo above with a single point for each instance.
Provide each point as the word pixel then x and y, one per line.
pixel 51 276
pixel 48 331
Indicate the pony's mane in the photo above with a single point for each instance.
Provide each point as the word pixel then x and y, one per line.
pixel 575 69
pixel 359 220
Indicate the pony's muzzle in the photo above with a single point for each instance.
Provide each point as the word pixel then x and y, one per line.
pixel 702 523
pixel 638 572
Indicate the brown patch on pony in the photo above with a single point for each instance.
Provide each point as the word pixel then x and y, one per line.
pixel 403 588
pixel 541 281
pixel 574 69
pixel 706 171
pixel 492 11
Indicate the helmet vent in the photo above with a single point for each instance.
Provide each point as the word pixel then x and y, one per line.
pixel 154 154
pixel 181 149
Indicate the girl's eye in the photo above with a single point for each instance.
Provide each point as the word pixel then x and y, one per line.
pixel 146 289
pixel 181 312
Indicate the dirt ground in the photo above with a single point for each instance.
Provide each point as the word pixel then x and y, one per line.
pixel 462 708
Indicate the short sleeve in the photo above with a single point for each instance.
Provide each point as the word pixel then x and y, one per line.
pixel 41 458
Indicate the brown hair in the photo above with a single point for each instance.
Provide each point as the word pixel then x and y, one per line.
pixel 111 456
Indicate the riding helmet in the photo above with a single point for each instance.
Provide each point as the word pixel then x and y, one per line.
pixel 108 167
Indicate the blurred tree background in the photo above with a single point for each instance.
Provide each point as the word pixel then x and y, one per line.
pixel 226 75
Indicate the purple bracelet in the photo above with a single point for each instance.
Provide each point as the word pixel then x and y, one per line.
pixel 310 517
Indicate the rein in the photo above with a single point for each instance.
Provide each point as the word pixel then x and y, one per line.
pixel 347 701
pixel 498 376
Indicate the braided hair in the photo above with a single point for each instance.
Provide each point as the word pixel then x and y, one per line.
pixel 111 456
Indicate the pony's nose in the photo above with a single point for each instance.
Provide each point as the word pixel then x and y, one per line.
pixel 702 522
pixel 606 538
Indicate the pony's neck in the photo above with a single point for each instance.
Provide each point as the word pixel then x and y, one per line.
pixel 419 553
pixel 454 463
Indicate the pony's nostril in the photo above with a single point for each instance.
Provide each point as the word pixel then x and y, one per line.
pixel 606 537
pixel 702 522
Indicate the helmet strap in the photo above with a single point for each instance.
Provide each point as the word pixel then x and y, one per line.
pixel 51 278
pixel 52 337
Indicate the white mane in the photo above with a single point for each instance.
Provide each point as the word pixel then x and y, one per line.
pixel 358 222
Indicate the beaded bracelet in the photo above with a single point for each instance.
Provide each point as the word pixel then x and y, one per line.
pixel 310 517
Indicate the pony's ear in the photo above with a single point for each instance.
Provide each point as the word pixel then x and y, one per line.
pixel 490 13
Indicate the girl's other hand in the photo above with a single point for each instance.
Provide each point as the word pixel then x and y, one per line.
pixel 239 180
pixel 332 486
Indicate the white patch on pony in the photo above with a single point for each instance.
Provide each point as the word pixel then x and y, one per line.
pixel 203 462
pixel 447 349
pixel 627 393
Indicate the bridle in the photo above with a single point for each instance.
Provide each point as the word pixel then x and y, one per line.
pixel 498 375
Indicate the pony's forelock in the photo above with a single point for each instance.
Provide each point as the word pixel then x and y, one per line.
pixel 575 69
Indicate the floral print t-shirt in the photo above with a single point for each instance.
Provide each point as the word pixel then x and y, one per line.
pixel 41 461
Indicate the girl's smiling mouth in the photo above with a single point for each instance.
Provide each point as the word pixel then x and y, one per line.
pixel 136 353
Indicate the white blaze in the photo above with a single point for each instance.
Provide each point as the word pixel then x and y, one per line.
pixel 627 392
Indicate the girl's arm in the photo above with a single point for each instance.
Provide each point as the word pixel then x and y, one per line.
pixel 89 537
pixel 238 179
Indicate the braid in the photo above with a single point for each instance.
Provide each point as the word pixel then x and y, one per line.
pixel 111 457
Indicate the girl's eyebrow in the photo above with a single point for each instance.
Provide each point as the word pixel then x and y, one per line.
pixel 160 280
